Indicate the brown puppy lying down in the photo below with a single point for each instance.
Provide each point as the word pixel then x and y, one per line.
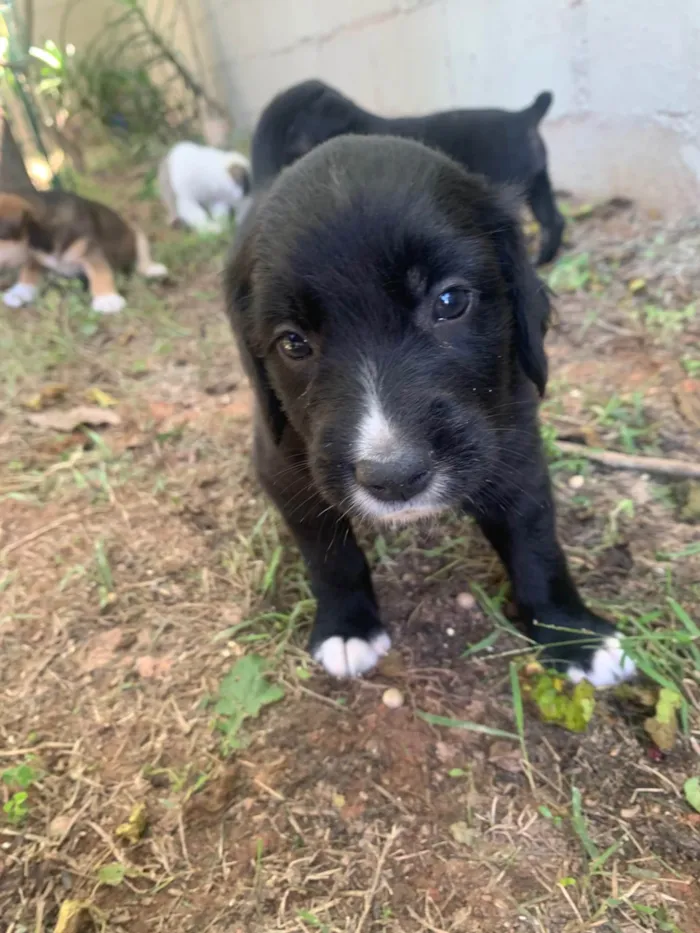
pixel 74 237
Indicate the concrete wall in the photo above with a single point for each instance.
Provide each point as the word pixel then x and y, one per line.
pixel 625 73
pixel 78 19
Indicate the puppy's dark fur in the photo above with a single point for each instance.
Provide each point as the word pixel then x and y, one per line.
pixel 344 261
pixel 502 145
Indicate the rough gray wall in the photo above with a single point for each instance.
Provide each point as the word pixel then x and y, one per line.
pixel 625 73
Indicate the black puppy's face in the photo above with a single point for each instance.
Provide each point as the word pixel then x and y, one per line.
pixel 385 306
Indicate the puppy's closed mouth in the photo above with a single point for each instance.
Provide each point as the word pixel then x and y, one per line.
pixel 428 503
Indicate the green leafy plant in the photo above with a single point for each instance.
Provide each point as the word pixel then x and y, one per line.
pixel 243 693
pixel 571 273
pixel 16 808
pixel 19 779
pixel 128 79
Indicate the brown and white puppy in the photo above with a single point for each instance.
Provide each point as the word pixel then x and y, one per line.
pixel 201 186
pixel 67 234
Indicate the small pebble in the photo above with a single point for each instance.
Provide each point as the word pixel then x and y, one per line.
pixel 576 482
pixel 466 601
pixel 392 698
pixel 450 632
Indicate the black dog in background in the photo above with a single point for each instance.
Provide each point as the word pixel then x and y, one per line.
pixel 393 328
pixel 504 146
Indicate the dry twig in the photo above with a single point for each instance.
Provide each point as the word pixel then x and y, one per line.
pixel 618 461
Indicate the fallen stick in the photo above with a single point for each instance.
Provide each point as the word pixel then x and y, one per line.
pixel 618 461
pixel 27 539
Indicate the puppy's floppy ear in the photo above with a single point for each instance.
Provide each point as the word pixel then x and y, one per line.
pixel 240 175
pixel 327 115
pixel 528 294
pixel 239 279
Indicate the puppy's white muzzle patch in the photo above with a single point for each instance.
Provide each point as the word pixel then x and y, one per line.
pixel 379 440
pixel 424 505
pixel 376 438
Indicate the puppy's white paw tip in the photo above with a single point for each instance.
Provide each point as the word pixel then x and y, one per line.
pixel 108 304
pixel 609 666
pixel 20 294
pixel 156 270
pixel 353 657
pixel 381 644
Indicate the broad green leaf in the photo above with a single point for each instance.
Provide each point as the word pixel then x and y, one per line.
pixel 112 874
pixel 691 789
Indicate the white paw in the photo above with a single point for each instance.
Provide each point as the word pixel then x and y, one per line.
pixel 610 665
pixel 108 304
pixel 156 270
pixel 211 227
pixel 20 294
pixel 353 657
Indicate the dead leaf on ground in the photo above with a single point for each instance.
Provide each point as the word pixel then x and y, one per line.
pixel 221 386
pixel 689 496
pixel 126 336
pixel 100 397
pixel 462 833
pixel 637 693
pixel 663 726
pixel 68 421
pixel 687 396
pixel 133 441
pixel 162 410
pixel 557 703
pixel 61 824
pixel 101 649
pixel 47 395
pixel 445 752
pixel 581 211
pixel 506 756
pixel 241 407
pixel 153 668
pixel 73 917
pixel 391 665
pixel 135 826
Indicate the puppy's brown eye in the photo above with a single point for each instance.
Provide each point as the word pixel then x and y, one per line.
pixel 294 345
pixel 452 304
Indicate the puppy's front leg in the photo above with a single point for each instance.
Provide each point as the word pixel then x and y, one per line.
pixel 574 639
pixel 25 289
pixel 347 637
pixel 105 298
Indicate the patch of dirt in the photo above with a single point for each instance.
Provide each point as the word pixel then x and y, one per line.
pixel 135 571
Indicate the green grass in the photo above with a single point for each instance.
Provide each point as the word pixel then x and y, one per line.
pixel 666 323
pixel 624 421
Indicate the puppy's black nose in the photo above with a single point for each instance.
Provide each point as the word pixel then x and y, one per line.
pixel 398 478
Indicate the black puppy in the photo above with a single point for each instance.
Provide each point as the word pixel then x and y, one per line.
pixel 503 145
pixel 393 329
